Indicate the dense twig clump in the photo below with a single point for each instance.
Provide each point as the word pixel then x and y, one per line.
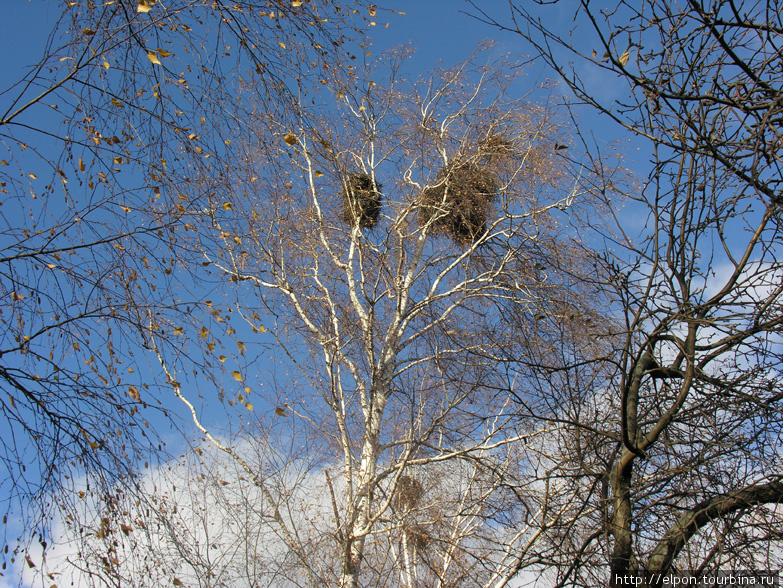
pixel 409 492
pixel 460 203
pixel 361 201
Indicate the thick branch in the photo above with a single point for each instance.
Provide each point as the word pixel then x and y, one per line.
pixel 717 507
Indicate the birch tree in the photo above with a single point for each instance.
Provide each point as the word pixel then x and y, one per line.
pixel 389 232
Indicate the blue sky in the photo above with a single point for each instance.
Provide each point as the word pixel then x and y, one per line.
pixel 441 31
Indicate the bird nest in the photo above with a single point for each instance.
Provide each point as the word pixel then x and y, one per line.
pixel 409 492
pixel 418 538
pixel 361 201
pixel 460 203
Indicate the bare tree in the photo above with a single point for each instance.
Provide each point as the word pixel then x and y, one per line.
pixel 683 439
pixel 395 228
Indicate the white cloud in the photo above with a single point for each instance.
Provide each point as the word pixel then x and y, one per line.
pixel 202 521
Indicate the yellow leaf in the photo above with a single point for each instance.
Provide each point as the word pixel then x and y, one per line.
pixel 152 56
pixel 178 331
pixel 280 411
pixel 125 208
pixel 176 582
pixel 248 406
pixel 164 53
pixel 241 346
pixel 106 64
pixel 227 206
pixel 145 5
pixel 133 392
pixel 281 44
pixel 318 173
pixel 296 3
pixel 222 358
pixel 237 376
pixel 81 164
pixel 87 32
pixel 33 176
pixel 624 58
pixel 371 11
pixel 290 139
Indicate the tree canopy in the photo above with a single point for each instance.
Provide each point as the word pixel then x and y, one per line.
pixel 424 332
pixel 692 466
pixel 130 105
